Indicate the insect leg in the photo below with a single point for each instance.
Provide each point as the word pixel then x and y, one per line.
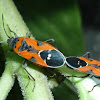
pixel 28 35
pixel 3 41
pixel 50 40
pixel 29 75
pixel 10 50
pixel 79 76
pixel 88 54
pixel 93 87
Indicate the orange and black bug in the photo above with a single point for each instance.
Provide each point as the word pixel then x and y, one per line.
pixel 38 52
pixel 86 65
pixel 82 64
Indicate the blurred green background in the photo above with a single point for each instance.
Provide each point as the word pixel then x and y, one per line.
pixel 57 19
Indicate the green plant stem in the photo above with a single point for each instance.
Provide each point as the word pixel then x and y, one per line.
pixel 14 64
pixel 6 83
pixel 13 19
pixel 83 85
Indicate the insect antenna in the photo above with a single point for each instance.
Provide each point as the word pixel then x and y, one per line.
pixel 4 27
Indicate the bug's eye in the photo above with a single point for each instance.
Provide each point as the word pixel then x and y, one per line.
pixel 10 41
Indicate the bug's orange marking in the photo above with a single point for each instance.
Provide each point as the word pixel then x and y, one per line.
pixel 92 65
pixel 29 54
pixel 33 43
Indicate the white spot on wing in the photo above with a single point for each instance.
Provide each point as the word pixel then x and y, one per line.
pixel 78 62
pixel 49 55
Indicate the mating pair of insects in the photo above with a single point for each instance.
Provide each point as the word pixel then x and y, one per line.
pixel 44 54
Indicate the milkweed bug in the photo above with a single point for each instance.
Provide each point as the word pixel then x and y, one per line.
pixel 38 52
pixel 82 64
pixel 86 65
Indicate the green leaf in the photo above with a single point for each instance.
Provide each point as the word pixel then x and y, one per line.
pixel 13 19
pixel 46 19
